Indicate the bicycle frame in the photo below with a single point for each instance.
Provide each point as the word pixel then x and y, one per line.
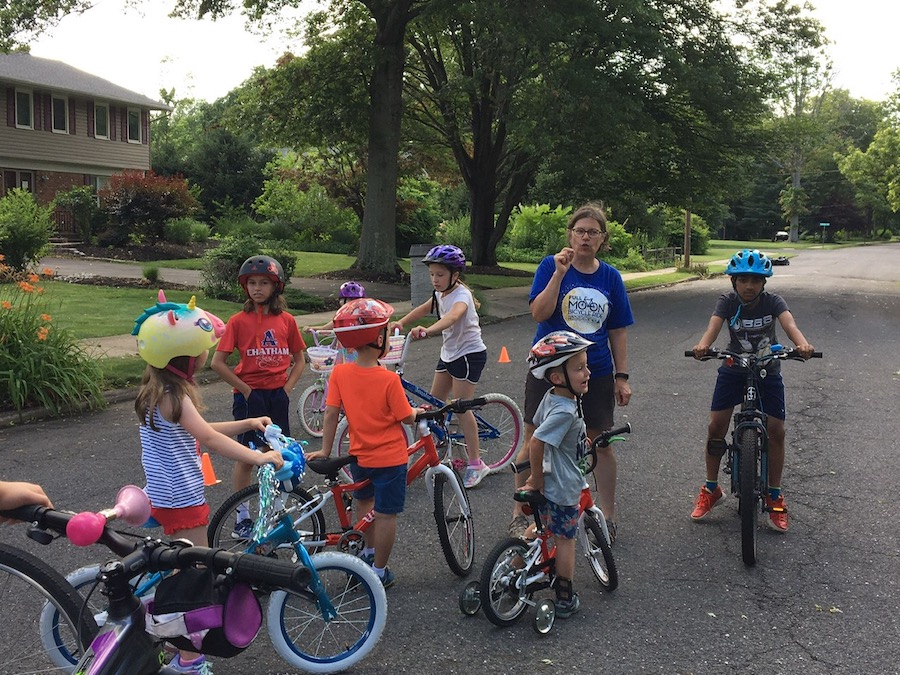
pixel 751 416
pixel 428 464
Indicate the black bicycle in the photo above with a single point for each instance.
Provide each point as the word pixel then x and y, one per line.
pixel 748 451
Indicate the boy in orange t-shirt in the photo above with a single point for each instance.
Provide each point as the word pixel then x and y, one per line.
pixel 375 405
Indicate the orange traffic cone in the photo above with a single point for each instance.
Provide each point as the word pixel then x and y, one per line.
pixel 504 356
pixel 209 475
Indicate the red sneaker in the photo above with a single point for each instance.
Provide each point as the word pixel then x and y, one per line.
pixel 705 502
pixel 778 517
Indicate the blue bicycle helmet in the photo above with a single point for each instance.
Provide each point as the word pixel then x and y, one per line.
pixel 749 262
pixel 446 254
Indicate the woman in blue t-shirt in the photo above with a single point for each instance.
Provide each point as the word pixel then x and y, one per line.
pixel 575 291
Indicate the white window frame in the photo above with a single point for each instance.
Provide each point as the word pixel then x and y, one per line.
pixel 128 114
pixel 64 127
pixel 30 95
pixel 101 106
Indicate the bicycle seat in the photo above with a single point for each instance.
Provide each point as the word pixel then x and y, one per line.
pixel 532 497
pixel 329 466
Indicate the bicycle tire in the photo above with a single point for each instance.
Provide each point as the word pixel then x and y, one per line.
pixel 749 493
pixel 501 602
pixel 311 409
pixel 34 640
pixel 455 525
pixel 598 552
pixel 500 431
pixel 309 526
pixel 301 636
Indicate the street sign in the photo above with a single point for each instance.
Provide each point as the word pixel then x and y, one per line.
pixel 824 224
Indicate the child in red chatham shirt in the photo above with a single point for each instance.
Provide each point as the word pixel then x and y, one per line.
pixel 270 348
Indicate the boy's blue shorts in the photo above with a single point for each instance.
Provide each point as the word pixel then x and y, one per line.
pixel 560 520
pixel 729 392
pixel 388 486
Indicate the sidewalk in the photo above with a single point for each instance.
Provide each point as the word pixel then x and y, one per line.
pixel 499 303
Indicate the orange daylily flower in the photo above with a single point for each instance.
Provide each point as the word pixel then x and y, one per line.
pixel 42 333
pixel 26 287
pixel 6 304
pixel 33 278
pixel 46 317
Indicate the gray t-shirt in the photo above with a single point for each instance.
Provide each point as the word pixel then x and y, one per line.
pixel 754 330
pixel 565 442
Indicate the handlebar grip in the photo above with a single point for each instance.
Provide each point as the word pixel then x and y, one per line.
pixel 462 404
pixel 272 571
pixel 520 466
pixel 816 355
pixel 28 514
pixel 689 353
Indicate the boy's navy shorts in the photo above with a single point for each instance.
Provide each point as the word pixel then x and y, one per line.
pixel 729 392
pixel 560 520
pixel 388 486
pixel 466 367
pixel 273 403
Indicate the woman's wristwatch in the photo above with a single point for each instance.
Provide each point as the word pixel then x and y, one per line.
pixel 622 376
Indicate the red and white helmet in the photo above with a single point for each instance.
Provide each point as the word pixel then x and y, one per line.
pixel 553 350
pixel 360 321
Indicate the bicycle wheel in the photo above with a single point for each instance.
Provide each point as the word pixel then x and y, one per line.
pixel 34 640
pixel 502 602
pixel 455 526
pixel 301 636
pixel 500 431
pixel 598 552
pixel 221 527
pixel 311 409
pixel 749 494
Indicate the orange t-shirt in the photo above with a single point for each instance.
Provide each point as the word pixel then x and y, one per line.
pixel 266 344
pixel 375 403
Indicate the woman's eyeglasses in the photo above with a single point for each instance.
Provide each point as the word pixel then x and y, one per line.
pixel 581 232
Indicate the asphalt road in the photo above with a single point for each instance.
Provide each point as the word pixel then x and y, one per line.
pixel 823 598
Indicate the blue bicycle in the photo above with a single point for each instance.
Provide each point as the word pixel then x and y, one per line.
pixel 500 423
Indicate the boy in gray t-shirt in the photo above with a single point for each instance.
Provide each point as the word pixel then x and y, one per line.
pixel 557 447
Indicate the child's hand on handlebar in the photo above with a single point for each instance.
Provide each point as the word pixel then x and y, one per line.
pixel 700 351
pixel 805 350
pixel 272 457
pixel 16 494
pixel 259 423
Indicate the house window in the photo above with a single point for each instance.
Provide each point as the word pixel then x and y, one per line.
pixel 17 179
pixel 24 110
pixel 101 120
pixel 60 115
pixel 134 125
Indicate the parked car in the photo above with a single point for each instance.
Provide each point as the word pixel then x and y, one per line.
pixel 781 235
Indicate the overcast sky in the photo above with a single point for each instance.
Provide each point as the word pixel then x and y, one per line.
pixel 205 59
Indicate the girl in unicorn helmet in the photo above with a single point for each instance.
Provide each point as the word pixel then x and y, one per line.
pixel 173 338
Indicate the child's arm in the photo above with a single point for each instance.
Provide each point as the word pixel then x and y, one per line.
pixel 536 457
pixel 706 340
pixel 16 494
pixel 210 437
pixel 295 372
pixel 414 315
pixel 329 429
pixel 455 314
pixel 221 367
pixel 786 319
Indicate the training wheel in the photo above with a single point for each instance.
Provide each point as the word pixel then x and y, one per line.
pixel 470 599
pixel 544 617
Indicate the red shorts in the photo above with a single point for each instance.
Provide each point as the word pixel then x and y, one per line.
pixel 187 518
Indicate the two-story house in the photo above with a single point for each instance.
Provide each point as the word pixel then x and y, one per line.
pixel 65 127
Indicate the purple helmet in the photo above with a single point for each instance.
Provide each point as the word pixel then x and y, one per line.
pixel 351 289
pixel 446 254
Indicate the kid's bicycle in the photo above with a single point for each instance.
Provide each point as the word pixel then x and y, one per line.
pixel 500 423
pixel 517 569
pixel 332 624
pixel 311 403
pixel 748 451
pixel 452 513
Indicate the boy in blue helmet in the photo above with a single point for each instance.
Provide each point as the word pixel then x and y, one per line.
pixel 750 312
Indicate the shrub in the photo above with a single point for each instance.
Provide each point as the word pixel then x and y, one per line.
pixel 538 228
pixel 620 241
pixel 81 202
pixel 221 265
pixel 310 215
pixel 41 364
pixel 25 229
pixel 454 231
pixel 150 273
pixel 142 203
pixel 185 231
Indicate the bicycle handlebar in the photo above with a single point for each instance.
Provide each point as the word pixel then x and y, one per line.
pixel 602 441
pixel 157 556
pixel 714 353
pixel 459 405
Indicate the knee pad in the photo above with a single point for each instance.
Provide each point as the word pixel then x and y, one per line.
pixel 715 447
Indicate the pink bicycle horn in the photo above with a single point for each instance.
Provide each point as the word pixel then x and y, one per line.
pixel 132 506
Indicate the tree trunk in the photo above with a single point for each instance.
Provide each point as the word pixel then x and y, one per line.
pixel 795 216
pixel 687 239
pixel 377 245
